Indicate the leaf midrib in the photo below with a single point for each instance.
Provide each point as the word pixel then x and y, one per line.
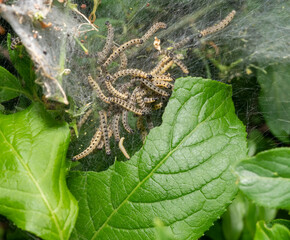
pixel 154 169
pixel 36 184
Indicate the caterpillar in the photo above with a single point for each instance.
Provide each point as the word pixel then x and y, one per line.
pixel 158 106
pixel 133 95
pixel 15 42
pixel 141 92
pixel 125 122
pixel 114 91
pixel 120 49
pixel 139 124
pixel 180 44
pixel 84 118
pixel 139 100
pixel 93 144
pixel 164 84
pixel 101 144
pixel 126 105
pixel 159 65
pixel 124 61
pixel 122 148
pixel 222 24
pixel 151 86
pixel 108 45
pixel 103 121
pixel 98 89
pixel 164 68
pixel 124 87
pixel 161 78
pixel 131 72
pixel 115 126
pixel 141 128
pixel 150 99
pixel 181 65
pixel 153 30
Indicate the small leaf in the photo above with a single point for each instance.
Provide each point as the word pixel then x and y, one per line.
pixel 271 232
pixel 182 175
pixel 265 178
pixel 33 187
pixel 10 87
pixel 274 100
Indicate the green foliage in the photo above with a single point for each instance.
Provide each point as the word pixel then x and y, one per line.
pixel 271 232
pixel 34 194
pixel 23 64
pixel 181 175
pixel 182 179
pixel 274 99
pixel 239 222
pixel 265 178
pixel 10 87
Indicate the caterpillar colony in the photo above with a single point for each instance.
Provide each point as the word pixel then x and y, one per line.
pixel 134 90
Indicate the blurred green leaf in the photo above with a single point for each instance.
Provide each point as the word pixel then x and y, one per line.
pixel 284 222
pixel 271 232
pixel 233 219
pixel 34 194
pixel 274 99
pixel 10 87
pixel 265 178
pixel 254 214
pixel 23 64
pixel 182 175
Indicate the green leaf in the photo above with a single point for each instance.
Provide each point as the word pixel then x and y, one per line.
pixel 232 223
pixel 33 187
pixel 284 222
pixel 239 221
pixel 269 232
pixel 274 100
pixel 10 87
pixel 182 175
pixel 23 64
pixel 265 178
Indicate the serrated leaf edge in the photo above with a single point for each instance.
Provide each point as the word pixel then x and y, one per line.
pixel 153 170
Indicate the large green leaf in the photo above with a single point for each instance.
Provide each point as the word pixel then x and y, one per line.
pixel 10 87
pixel 274 100
pixel 271 232
pixel 182 175
pixel 33 187
pixel 265 178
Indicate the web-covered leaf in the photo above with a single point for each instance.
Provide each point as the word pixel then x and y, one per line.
pixel 274 99
pixel 182 174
